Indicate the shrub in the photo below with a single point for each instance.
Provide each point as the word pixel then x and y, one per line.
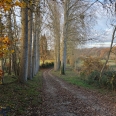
pixel 47 65
pixel 91 64
pixel 93 78
pixel 107 81
pixel 91 73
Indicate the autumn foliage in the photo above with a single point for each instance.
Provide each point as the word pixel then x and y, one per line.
pixel 5 44
pixel 1 76
pixel 91 64
pixel 8 4
pixel 4 47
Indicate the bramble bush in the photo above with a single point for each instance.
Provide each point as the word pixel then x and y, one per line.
pixel 107 81
pixel 91 64
pixel 91 73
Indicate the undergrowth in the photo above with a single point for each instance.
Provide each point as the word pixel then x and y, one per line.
pixel 91 81
pixel 22 99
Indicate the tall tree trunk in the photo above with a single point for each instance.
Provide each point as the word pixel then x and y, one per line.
pixel 34 49
pixel 15 47
pixel 10 37
pixel 113 36
pixel 24 50
pixel 1 27
pixel 30 21
pixel 57 54
pixel 36 39
pixel 58 68
pixel 65 37
pixel 37 49
pixel 55 24
pixel 63 62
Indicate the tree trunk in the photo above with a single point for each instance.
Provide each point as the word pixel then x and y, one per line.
pixel 36 39
pixel 34 50
pixel 30 21
pixel 38 53
pixel 57 54
pixel 55 24
pixel 10 36
pixel 15 47
pixel 113 36
pixel 63 62
pixel 65 37
pixel 24 50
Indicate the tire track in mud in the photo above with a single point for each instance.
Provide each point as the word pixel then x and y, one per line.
pixel 62 99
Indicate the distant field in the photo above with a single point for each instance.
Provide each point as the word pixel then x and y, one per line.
pixel 111 63
pixel 46 61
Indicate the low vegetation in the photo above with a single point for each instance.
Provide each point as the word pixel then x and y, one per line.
pixel 22 99
pixel 91 64
pixel 73 78
pixel 47 65
pixel 90 79
pixel 90 72
pixel 107 81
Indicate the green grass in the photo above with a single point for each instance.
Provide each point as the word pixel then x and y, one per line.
pixel 9 78
pixel 73 78
pixel 21 98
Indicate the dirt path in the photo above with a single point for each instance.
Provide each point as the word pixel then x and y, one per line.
pixel 62 99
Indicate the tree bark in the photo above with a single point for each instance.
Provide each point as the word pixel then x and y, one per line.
pixel 36 33
pixel 38 27
pixel 55 24
pixel 30 21
pixel 10 35
pixel 34 49
pixel 24 49
pixel 65 37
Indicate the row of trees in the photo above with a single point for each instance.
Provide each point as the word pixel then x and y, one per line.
pixel 24 62
pixel 68 22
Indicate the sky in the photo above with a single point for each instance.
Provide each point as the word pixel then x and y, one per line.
pixel 103 28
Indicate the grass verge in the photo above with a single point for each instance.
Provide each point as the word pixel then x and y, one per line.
pixel 72 78
pixel 24 100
